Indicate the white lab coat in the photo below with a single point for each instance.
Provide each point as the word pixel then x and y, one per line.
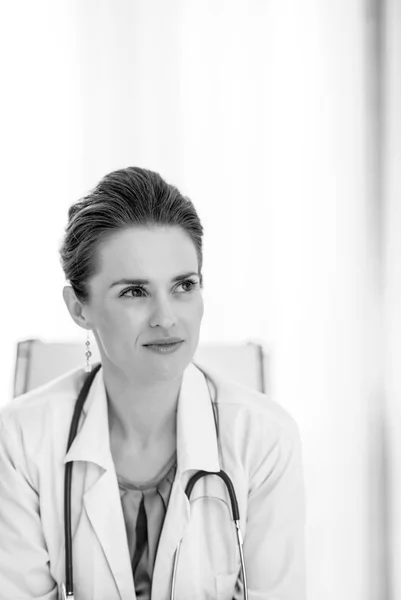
pixel 258 447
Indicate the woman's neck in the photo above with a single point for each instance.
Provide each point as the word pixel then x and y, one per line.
pixel 143 414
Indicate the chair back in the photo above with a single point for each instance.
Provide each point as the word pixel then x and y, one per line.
pixel 39 362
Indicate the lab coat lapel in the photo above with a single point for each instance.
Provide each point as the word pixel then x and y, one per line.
pixel 103 507
pixel 197 445
pixel 197 449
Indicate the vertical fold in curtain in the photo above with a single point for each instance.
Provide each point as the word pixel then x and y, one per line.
pixel 392 281
pixel 377 467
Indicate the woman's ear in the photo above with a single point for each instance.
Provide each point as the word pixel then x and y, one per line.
pixel 76 308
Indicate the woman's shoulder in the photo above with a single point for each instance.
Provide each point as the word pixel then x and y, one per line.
pixel 246 403
pixel 255 430
pixel 38 405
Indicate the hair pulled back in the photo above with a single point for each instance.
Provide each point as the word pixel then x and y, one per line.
pixel 122 199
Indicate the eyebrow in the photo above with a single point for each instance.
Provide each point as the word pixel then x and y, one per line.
pixel 146 281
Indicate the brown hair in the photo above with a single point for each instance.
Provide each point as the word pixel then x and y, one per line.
pixel 123 198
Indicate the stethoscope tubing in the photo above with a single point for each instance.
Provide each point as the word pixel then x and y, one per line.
pixel 69 575
pixel 236 519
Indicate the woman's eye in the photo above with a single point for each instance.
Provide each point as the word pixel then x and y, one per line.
pixel 189 285
pixel 134 292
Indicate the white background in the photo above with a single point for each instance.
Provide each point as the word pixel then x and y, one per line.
pixel 264 113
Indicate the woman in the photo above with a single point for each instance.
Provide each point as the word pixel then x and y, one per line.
pixel 132 254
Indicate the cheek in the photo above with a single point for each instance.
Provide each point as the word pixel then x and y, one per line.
pixel 122 323
pixel 201 309
pixel 119 332
pixel 200 305
pixel 196 309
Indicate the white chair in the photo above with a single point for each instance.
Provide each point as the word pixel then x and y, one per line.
pixel 38 362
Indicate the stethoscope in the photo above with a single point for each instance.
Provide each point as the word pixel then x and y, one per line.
pixel 68 587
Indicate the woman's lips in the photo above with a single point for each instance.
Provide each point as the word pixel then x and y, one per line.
pixel 164 348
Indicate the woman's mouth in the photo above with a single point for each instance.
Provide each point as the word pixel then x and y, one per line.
pixel 163 348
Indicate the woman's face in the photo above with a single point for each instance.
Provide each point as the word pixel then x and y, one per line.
pixel 147 288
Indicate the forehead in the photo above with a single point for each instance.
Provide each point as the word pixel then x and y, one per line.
pixel 147 251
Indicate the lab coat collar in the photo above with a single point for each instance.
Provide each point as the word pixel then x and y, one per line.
pixel 92 442
pixel 197 446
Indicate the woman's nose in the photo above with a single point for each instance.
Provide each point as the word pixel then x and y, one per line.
pixel 163 315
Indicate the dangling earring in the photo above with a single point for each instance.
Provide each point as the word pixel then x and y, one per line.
pixel 88 354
